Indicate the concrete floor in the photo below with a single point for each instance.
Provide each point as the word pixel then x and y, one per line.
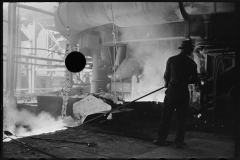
pixel 123 145
pixel 195 148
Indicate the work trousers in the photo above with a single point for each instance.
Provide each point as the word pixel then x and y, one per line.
pixel 176 97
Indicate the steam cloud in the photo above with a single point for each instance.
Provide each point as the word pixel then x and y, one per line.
pixel 151 57
pixel 25 123
pixel 153 65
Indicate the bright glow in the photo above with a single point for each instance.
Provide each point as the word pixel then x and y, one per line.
pixel 157 97
pixel 24 123
pixel 87 70
pixel 199 115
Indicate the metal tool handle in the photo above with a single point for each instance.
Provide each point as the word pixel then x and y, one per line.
pixel 108 112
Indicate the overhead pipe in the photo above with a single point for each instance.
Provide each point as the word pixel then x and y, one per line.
pixel 41 58
pixel 79 18
pixel 35 9
pixel 191 18
pixel 83 16
pixel 186 17
pixel 184 14
pixel 37 64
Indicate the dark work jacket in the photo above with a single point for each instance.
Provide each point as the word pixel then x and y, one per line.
pixel 180 71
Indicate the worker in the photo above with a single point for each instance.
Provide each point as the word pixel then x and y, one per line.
pixel 180 71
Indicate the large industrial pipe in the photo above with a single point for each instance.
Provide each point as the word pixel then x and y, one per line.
pixel 82 16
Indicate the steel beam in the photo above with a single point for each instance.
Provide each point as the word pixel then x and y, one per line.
pixel 41 49
pixel 55 66
pixel 37 64
pixel 173 30
pixel 40 58
pixel 44 59
pixel 35 9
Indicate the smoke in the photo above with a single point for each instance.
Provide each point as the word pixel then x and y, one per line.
pixel 152 75
pixel 24 123
pixel 151 57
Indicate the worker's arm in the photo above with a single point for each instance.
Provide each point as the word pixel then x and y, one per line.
pixel 167 74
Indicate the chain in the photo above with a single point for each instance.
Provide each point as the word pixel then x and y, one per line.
pixel 16 63
pixel 114 54
pixel 66 84
pixel 121 83
pixel 114 50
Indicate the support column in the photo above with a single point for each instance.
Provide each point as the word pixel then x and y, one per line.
pixel 95 74
pixel 34 42
pixel 73 39
pixel 11 49
pixel 30 72
pixel 99 75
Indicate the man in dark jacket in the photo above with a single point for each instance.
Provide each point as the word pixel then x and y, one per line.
pixel 180 71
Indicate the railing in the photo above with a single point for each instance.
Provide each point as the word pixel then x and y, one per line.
pixel 24 92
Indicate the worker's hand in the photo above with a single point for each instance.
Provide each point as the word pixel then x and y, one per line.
pixel 166 85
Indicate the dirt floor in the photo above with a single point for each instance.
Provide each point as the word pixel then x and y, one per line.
pixel 125 137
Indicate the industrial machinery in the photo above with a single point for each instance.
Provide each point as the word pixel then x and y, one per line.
pixel 128 45
pixel 212 28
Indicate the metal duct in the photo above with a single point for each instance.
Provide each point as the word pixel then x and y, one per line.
pixel 81 16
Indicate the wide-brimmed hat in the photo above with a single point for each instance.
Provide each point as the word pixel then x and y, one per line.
pixel 186 44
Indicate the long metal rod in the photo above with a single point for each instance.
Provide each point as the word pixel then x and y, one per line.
pixel 122 106
pixel 90 144
pixel 35 9
pixel 38 64
pixel 47 59
pixel 42 49
pixel 40 58
pixel 33 148
pixel 55 66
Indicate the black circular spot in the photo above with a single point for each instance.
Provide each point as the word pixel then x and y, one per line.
pixel 75 61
